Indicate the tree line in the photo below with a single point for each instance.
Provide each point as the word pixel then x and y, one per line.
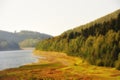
pixel 98 44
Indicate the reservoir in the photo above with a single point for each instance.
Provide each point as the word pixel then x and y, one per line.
pixel 12 59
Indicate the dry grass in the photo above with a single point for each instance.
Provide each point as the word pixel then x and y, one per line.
pixel 59 66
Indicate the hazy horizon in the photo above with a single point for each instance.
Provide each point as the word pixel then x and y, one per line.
pixel 51 16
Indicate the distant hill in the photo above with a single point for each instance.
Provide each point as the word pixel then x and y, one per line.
pixel 5 45
pixel 9 40
pixel 97 42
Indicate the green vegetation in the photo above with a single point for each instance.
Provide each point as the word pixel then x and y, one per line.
pixel 28 43
pixel 23 39
pixel 97 42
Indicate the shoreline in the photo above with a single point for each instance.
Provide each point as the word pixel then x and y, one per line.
pixel 59 66
pixel 52 57
pixel 36 58
pixel 72 62
pixel 30 48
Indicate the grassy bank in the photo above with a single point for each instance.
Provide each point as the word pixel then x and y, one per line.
pixel 59 66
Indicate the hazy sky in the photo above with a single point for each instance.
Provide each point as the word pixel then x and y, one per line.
pixel 52 16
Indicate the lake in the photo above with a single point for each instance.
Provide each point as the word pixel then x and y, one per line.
pixel 11 59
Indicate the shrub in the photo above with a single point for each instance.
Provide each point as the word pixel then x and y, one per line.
pixel 117 64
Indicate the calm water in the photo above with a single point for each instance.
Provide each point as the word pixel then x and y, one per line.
pixel 11 59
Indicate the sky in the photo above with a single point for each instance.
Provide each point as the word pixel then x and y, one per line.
pixel 52 16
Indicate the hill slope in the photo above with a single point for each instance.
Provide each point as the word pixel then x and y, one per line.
pixel 97 42
pixel 10 41
pixel 5 45
pixel 7 41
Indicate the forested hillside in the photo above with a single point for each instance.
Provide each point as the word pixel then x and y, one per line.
pixel 7 41
pixel 5 45
pixel 10 41
pixel 97 42
pixel 30 38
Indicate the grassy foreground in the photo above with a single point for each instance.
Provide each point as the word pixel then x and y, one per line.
pixel 59 66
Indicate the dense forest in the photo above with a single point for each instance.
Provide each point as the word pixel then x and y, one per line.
pixel 97 42
pixel 17 40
